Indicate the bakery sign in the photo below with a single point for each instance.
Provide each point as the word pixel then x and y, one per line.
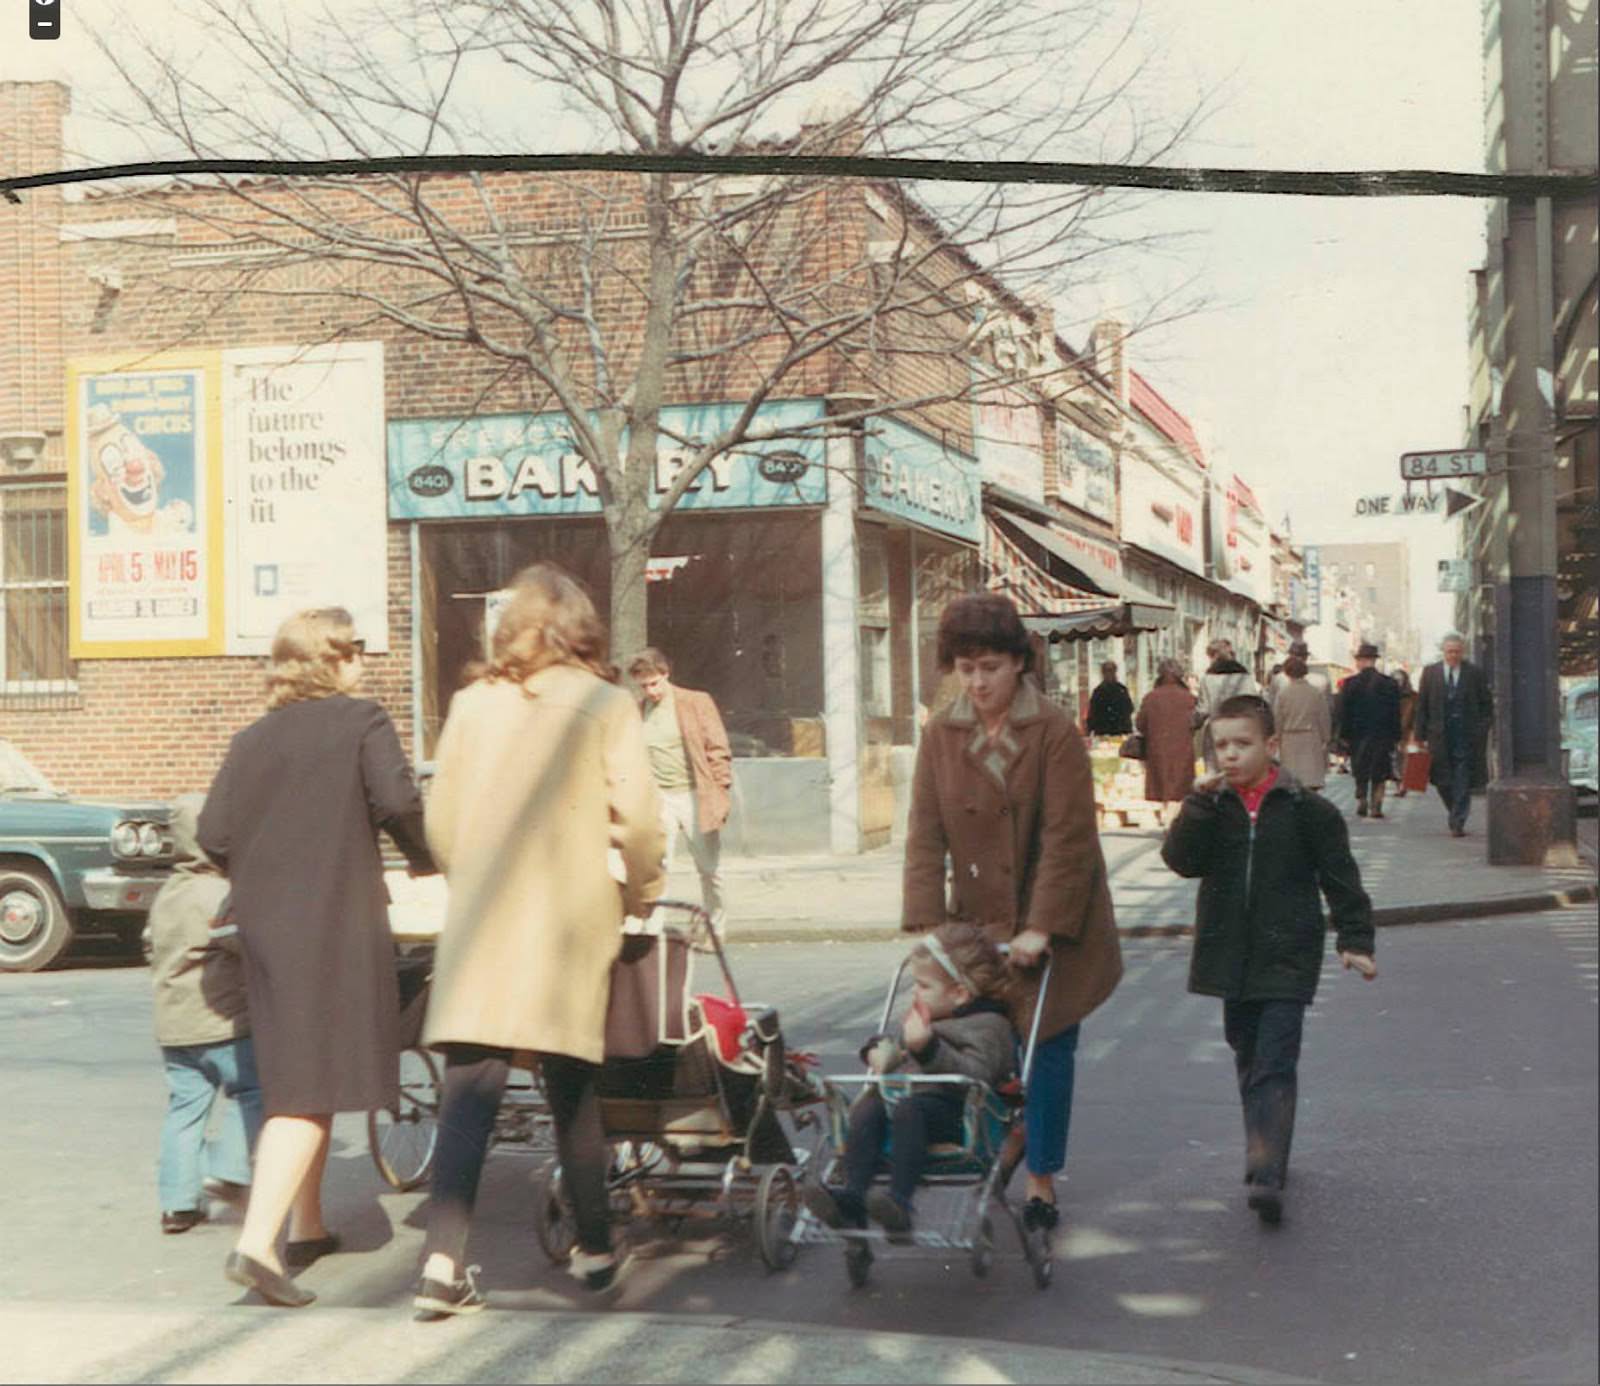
pixel 1160 515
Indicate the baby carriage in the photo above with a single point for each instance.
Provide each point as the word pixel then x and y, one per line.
pixel 692 1095
pixel 402 1139
pixel 966 1180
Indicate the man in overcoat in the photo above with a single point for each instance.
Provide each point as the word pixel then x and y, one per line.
pixel 693 767
pixel 1369 725
pixel 1110 705
pixel 1455 709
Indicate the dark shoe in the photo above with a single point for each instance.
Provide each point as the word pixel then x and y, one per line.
pixel 1040 1216
pixel 1456 830
pixel 1266 1200
pixel 834 1207
pixel 225 1190
pixel 439 1299
pixel 1361 808
pixel 182 1220
pixel 894 1217
pixel 1377 813
pixel 266 1282
pixel 299 1255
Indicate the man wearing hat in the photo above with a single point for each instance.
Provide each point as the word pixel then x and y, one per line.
pixel 1367 720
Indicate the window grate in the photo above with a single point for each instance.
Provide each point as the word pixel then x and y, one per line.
pixel 35 668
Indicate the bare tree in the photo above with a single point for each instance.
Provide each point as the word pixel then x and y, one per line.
pixel 608 296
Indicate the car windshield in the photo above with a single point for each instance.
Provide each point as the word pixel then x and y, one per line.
pixel 18 775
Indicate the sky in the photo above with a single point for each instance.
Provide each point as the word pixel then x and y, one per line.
pixel 1333 332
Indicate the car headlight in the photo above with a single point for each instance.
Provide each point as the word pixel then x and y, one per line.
pixel 150 843
pixel 125 839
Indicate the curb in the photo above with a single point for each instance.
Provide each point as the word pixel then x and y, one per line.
pixel 1386 917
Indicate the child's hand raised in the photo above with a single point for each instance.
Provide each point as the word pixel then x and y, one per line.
pixel 916 1030
pixel 1362 962
pixel 882 1055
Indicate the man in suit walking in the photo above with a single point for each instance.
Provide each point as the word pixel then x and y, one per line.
pixel 693 766
pixel 1454 712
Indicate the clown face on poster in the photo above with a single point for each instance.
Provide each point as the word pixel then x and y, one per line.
pixel 142 513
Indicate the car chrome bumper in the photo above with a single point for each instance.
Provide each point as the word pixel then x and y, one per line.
pixel 111 890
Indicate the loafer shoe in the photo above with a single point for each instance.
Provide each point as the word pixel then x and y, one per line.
pixel 299 1255
pixel 266 1282
pixel 1266 1201
pixel 1038 1215
pixel 834 1208
pixel 181 1220
pixel 441 1299
pixel 893 1217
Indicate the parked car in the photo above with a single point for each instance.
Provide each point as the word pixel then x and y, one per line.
pixel 1580 724
pixel 72 866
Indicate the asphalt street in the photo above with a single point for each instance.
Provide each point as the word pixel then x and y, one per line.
pixel 1443 1223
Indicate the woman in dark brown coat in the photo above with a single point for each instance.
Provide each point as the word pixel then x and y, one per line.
pixel 293 817
pixel 1003 786
pixel 1166 721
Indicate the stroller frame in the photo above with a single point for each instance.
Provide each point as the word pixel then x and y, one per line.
pixel 976 1172
pixel 694 1133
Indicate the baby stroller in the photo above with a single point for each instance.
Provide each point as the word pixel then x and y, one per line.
pixel 968 1179
pixel 402 1139
pixel 692 1095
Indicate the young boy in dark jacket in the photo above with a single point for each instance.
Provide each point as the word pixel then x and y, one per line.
pixel 1263 846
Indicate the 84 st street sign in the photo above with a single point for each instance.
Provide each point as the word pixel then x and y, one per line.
pixel 1443 465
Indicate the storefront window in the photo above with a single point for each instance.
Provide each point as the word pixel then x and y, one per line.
pixel 944 571
pixel 735 601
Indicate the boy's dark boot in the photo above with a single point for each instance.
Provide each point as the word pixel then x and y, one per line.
pixel 1361 806
pixel 1266 1201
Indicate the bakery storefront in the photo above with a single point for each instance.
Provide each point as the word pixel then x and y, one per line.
pixel 734 582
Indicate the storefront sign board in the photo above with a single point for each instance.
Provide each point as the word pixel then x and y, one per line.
pixel 306 526
pixel 1087 472
pixel 910 475
pixel 1160 515
pixel 504 465
pixel 1009 440
pixel 144 502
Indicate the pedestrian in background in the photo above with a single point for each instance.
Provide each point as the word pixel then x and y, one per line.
pixel 1166 722
pixel 1408 717
pixel 1110 705
pixel 1455 710
pixel 541 771
pixel 203 1027
pixel 1304 727
pixel 1368 721
pixel 1263 848
pixel 693 768
pixel 1002 787
pixel 1224 678
pixel 293 818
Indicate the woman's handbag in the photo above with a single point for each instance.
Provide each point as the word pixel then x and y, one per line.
pixel 1132 747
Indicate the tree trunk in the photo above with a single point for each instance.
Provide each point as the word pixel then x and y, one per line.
pixel 629 529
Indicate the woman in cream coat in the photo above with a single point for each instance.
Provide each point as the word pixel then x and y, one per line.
pixel 541 769
pixel 1300 710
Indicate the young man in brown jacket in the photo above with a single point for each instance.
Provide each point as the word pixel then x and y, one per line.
pixel 693 767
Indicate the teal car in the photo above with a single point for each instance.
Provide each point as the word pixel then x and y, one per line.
pixel 1580 718
pixel 72 866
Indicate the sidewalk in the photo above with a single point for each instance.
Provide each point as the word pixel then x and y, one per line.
pixel 94 1343
pixel 1413 869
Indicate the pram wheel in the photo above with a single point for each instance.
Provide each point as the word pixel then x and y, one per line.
pixel 858 1264
pixel 402 1140
pixel 983 1248
pixel 776 1212
pixel 555 1224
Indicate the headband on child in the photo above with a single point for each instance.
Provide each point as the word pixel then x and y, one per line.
pixel 937 952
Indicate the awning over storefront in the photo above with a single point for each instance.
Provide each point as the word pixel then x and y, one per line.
pixel 1059 610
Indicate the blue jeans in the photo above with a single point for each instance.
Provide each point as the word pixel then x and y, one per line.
pixel 1049 1110
pixel 196 1073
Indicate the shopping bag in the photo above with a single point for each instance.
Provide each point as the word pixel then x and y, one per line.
pixel 1133 747
pixel 1418 764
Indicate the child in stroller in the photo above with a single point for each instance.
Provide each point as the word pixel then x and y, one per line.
pixel 958 1023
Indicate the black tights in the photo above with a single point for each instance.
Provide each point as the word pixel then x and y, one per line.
pixel 474 1081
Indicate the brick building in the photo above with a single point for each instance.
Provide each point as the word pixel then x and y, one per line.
pixel 193 447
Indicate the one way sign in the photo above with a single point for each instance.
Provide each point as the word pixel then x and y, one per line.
pixel 1459 502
